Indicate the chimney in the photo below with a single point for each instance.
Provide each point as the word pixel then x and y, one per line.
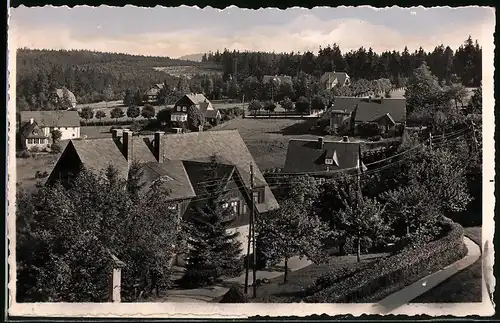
pixel 158 148
pixel 127 144
pixel 320 142
pixel 345 139
pixel 31 120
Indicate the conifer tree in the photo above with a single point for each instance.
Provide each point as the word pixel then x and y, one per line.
pixel 214 251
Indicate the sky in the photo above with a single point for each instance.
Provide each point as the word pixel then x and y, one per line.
pixel 175 32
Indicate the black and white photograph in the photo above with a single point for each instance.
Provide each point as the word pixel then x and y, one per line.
pixel 188 162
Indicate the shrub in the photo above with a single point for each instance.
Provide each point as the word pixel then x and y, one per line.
pixel 136 126
pixel 35 149
pixel 23 154
pixel 368 129
pixel 55 148
pixel 330 131
pixel 375 138
pixel 235 294
pixel 396 271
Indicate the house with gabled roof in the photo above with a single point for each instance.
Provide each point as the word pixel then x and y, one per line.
pixel 200 102
pixel 329 80
pixel 352 111
pixel 152 94
pixel 322 158
pixel 58 96
pixel 180 161
pixel 35 127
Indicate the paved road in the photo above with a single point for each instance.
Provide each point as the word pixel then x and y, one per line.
pixel 418 288
pixel 209 293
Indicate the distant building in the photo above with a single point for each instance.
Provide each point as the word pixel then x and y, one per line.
pixel 279 79
pixel 199 101
pixel 181 161
pixel 35 127
pixel 352 111
pixel 321 158
pixel 329 80
pixel 152 94
pixel 58 96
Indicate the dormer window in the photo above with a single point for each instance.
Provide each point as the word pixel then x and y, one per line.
pixel 225 205
pixel 329 161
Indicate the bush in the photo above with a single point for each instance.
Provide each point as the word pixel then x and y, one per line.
pixel 402 269
pixel 55 148
pixel 23 154
pixel 368 129
pixel 330 131
pixel 35 149
pixel 375 138
pixel 234 295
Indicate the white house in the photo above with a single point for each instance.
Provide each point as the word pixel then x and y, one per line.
pixel 200 102
pixel 36 126
pixel 331 79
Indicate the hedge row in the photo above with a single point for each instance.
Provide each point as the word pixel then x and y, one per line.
pixel 403 268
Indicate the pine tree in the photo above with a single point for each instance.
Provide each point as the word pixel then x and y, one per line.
pixel 214 252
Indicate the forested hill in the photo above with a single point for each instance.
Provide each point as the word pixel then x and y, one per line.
pixel 88 73
pixel 462 64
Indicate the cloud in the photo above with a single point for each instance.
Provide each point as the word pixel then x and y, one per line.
pixel 305 32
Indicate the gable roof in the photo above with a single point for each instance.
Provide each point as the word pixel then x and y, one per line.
pixel 174 177
pixel 155 89
pixel 305 156
pixel 227 145
pixel 202 102
pixel 201 181
pixel 57 118
pixel 369 110
pixel 31 130
pixel 340 76
pixel 60 94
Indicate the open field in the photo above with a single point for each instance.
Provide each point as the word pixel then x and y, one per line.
pixel 27 167
pixel 464 287
pixel 267 139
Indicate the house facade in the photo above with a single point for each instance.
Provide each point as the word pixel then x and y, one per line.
pixel 329 80
pixel 182 162
pixel 58 96
pixel 152 95
pixel 200 102
pixel 35 127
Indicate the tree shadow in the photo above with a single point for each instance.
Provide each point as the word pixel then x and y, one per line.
pixel 306 127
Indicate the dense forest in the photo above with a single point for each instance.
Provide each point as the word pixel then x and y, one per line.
pixel 95 76
pixel 88 74
pixel 463 64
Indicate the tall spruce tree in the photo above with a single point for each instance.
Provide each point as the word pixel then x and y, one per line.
pixel 214 251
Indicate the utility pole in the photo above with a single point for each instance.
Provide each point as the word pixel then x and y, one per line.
pixel 430 140
pixel 250 224
pixel 252 220
pixel 474 138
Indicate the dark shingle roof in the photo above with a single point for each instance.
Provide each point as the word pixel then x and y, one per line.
pixel 211 114
pixel 98 154
pixel 59 118
pixel 174 177
pixel 340 76
pixel 305 156
pixel 201 181
pixel 227 144
pixel 31 130
pixel 368 111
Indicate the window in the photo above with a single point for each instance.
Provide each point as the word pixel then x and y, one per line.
pixel 329 161
pixel 258 195
pixel 225 205
pixel 184 109
pixel 179 109
pixel 235 206
pixel 172 207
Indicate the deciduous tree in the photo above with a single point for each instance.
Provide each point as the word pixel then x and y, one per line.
pixel 87 113
pixel 133 111
pixel 117 113
pixel 148 111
